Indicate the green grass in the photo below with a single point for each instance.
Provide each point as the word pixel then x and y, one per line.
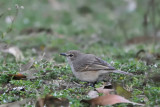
pixel 74 30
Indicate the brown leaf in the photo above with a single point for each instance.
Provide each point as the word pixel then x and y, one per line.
pixel 104 91
pixel 51 101
pixel 16 76
pixel 108 99
pixel 29 74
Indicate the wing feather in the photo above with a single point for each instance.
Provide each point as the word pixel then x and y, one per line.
pixel 92 63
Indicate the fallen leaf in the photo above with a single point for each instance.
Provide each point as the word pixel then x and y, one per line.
pixel 16 104
pixel 29 74
pixel 51 101
pixel 15 51
pixel 16 76
pixel 108 99
pixel 104 91
pixel 121 91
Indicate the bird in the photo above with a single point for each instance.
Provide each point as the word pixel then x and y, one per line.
pixel 88 67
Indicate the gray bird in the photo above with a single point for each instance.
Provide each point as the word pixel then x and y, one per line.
pixel 88 67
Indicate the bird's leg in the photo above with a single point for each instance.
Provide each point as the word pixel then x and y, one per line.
pixel 93 84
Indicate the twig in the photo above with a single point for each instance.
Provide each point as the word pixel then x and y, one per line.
pixel 145 20
pixel 77 84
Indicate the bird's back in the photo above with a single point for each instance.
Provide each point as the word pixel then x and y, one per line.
pixel 90 62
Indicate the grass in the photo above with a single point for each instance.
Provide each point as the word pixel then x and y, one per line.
pixel 100 31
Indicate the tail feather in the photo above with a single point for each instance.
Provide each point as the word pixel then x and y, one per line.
pixel 121 72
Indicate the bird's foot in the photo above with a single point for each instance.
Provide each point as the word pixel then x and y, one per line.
pixel 92 84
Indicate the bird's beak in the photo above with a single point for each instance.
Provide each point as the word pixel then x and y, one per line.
pixel 63 54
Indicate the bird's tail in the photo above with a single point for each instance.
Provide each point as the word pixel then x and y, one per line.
pixel 121 72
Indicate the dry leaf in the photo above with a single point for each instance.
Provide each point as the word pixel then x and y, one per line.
pixel 104 91
pixel 16 104
pixel 51 101
pixel 17 76
pixel 108 100
pixel 15 51
pixel 29 74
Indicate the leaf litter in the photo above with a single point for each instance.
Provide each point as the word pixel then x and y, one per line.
pixel 17 103
pixel 106 98
pixel 14 50
pixel 51 101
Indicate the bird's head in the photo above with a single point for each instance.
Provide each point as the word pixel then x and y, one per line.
pixel 71 55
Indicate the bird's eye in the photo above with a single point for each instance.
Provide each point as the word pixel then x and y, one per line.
pixel 70 55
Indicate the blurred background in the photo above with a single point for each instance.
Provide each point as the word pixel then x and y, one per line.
pixel 92 26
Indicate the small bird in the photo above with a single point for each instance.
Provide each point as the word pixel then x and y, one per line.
pixel 88 67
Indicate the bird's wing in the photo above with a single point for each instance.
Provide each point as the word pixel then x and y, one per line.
pixel 95 64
